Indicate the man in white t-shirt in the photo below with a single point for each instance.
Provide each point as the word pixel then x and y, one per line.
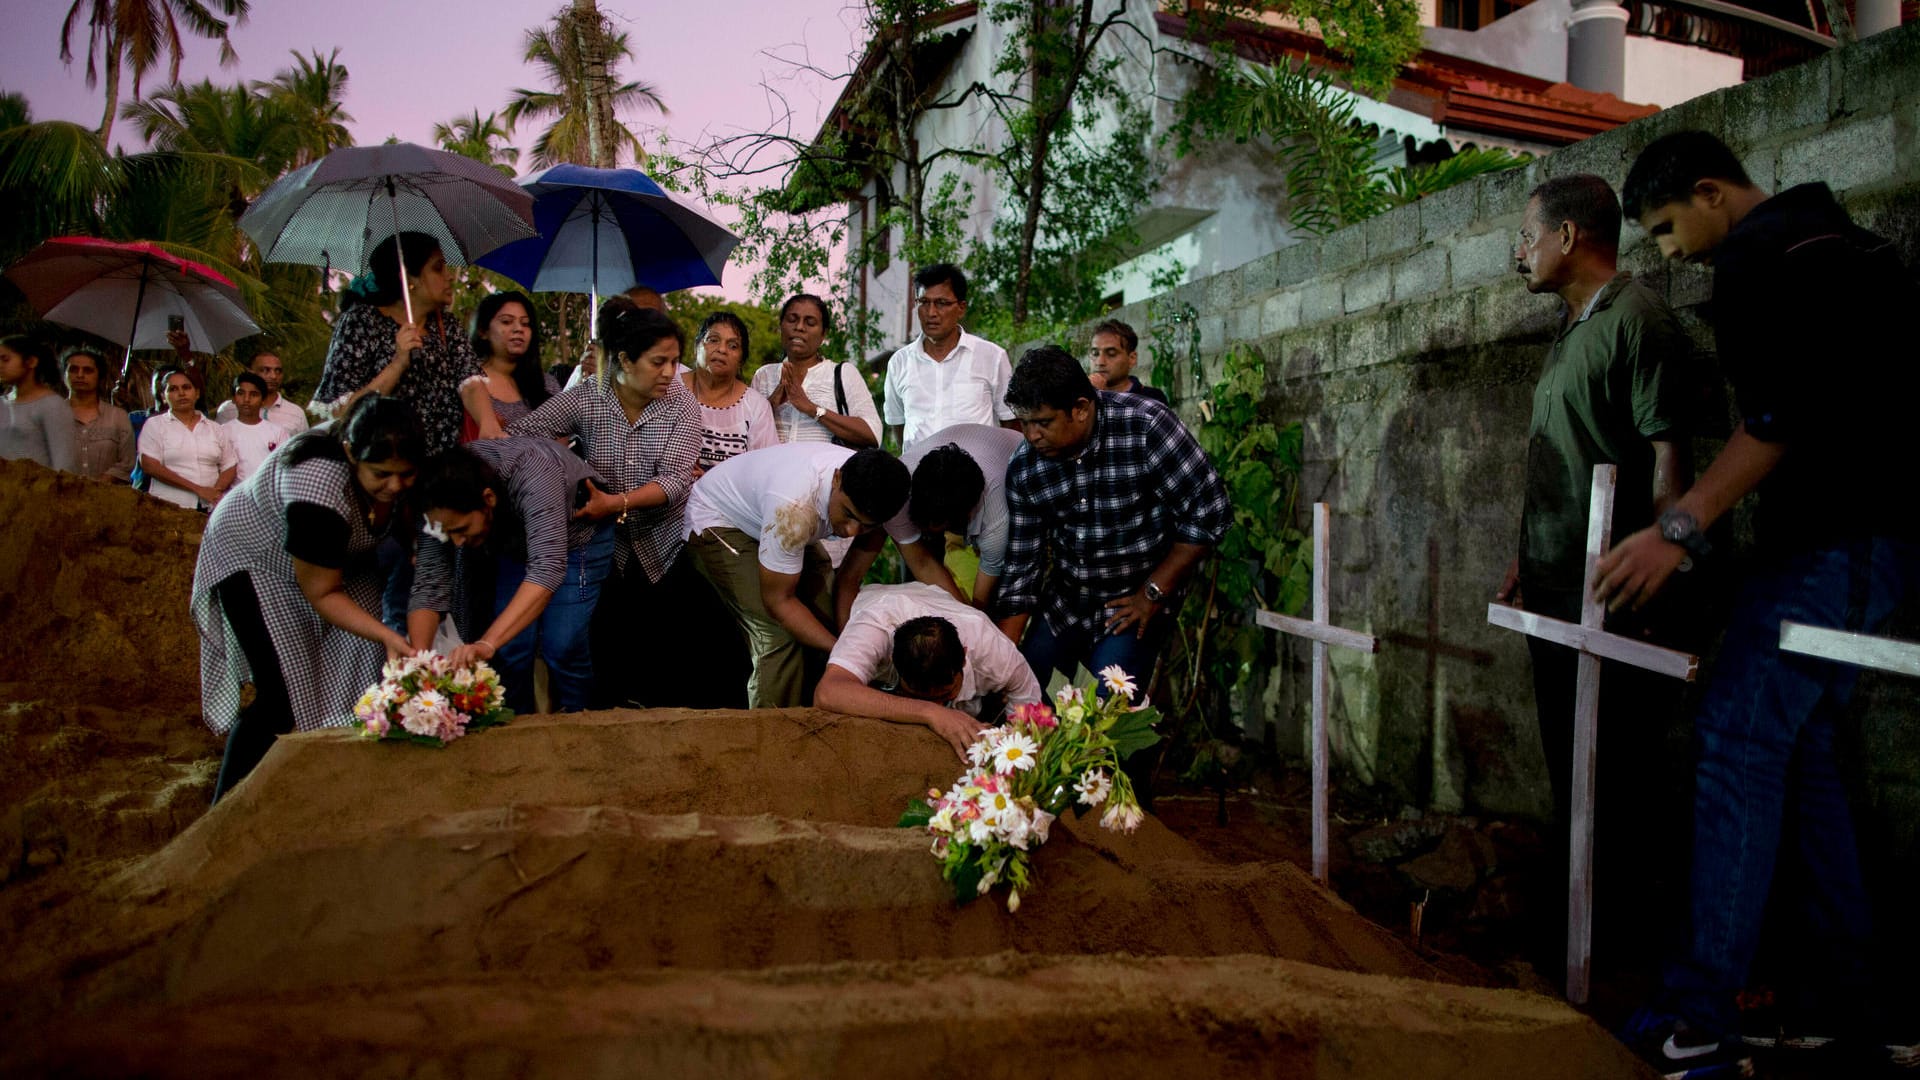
pixel 252 436
pixel 949 667
pixel 946 376
pixel 753 525
pixel 960 490
pixel 275 408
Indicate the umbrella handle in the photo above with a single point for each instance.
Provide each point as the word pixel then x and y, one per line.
pixel 399 250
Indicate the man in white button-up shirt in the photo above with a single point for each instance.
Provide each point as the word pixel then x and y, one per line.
pixel 946 376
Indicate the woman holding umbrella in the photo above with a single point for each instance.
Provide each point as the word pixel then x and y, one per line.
pixel 506 338
pixel 641 432
pixel 286 588
pixel 376 350
pixel 35 421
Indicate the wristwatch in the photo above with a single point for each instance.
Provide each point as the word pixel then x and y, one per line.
pixel 819 411
pixel 1682 528
pixel 1154 592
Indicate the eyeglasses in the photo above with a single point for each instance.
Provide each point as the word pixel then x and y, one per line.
pixel 937 303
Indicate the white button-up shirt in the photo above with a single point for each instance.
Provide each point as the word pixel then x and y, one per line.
pixel 199 453
pixel 993 665
pixel 926 395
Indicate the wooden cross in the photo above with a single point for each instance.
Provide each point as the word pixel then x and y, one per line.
pixel 1860 650
pixel 1592 643
pixel 1322 633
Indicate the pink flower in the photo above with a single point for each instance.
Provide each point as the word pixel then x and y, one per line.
pixel 1037 714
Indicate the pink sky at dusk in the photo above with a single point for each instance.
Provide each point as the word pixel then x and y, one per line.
pixel 414 64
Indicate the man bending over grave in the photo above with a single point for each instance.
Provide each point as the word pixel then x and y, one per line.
pixel 942 663
pixel 1812 319
pixel 1615 388
pixel 754 523
pixel 1111 505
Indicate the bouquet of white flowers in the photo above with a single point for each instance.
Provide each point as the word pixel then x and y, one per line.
pixel 1027 773
pixel 423 699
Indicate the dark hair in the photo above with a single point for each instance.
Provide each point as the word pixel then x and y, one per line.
pixel 165 375
pixel 416 248
pixel 1667 169
pixel 1120 330
pixel 457 480
pixel 943 274
pixel 1584 199
pixel 730 319
pixel 248 378
pixel 947 485
pixel 376 428
pixel 1048 377
pixel 99 361
pixel 46 370
pixel 877 483
pixel 826 317
pixel 927 653
pixel 528 377
pixel 630 330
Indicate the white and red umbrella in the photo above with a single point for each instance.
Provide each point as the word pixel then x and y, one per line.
pixel 129 292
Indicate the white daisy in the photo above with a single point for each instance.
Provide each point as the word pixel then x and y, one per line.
pixel 1118 681
pixel 1016 753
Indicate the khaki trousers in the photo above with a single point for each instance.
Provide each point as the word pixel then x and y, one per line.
pixel 730 561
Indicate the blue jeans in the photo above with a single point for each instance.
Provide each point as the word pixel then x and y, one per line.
pixel 1048 651
pixel 560 633
pixel 1766 771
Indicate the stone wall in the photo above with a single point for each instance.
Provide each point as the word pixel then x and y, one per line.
pixel 1408 348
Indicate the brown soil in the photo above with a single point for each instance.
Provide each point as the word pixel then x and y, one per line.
pixel 627 893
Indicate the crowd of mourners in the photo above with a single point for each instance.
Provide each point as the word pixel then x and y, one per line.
pixel 656 530
pixel 457 495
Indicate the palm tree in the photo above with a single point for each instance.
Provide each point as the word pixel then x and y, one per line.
pixel 138 33
pixel 14 111
pixel 580 53
pixel 312 91
pixel 481 138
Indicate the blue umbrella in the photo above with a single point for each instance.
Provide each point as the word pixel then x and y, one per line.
pixel 614 226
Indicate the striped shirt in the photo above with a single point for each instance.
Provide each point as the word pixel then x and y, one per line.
pixel 532 519
pixel 660 447
pixel 1109 516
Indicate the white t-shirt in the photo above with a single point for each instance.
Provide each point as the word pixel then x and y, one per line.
pixel 994 664
pixel 796 426
pixel 778 496
pixel 991 448
pixel 968 387
pixel 291 418
pixel 200 454
pixel 252 443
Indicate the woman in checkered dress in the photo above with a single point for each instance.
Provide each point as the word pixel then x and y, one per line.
pixel 640 429
pixel 286 592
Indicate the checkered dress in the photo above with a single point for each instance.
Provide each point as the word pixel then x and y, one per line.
pixel 660 447
pixel 326 668
pixel 1107 517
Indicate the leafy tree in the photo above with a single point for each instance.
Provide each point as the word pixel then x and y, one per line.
pixel 138 33
pixel 482 138
pixel 14 111
pixel 580 52
pixel 314 91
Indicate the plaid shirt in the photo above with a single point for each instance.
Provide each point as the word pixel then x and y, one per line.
pixel 1108 517
pixel 660 447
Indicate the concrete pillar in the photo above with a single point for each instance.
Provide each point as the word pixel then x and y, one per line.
pixel 1872 16
pixel 1597 46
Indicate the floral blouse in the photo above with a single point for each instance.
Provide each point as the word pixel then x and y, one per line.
pixel 363 345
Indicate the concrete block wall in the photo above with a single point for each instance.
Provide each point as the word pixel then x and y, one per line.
pixel 1408 348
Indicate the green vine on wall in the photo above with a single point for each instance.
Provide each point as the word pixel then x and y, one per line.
pixel 1263 562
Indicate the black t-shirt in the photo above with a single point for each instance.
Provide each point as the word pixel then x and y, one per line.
pixel 1811 318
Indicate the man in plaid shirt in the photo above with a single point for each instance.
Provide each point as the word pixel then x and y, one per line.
pixel 1112 503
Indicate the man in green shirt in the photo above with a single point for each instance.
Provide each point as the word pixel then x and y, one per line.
pixel 1613 391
